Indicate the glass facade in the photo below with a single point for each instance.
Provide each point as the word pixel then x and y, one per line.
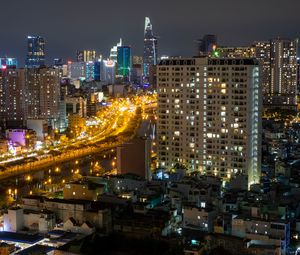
pixel 150 50
pixel 35 52
pixel 124 62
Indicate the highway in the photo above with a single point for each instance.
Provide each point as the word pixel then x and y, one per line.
pixel 116 124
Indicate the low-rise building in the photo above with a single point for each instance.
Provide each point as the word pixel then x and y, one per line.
pixel 201 219
pixel 84 190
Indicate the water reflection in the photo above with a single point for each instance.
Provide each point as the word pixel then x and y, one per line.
pixel 51 180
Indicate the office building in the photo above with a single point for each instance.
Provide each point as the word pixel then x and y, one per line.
pixel 12 97
pixel 35 52
pixel 97 70
pixel 8 63
pixel 89 71
pixel 137 60
pixel 150 51
pixel 279 72
pixel 43 93
pixel 58 62
pixel 108 71
pixel 76 70
pixel 206 45
pixel 124 62
pixel 86 55
pixel 208 116
pixel 114 51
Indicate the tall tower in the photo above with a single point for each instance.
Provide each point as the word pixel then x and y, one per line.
pixel 86 55
pixel 35 52
pixel 12 97
pixel 43 88
pixel 113 55
pixel 150 53
pixel 209 114
pixel 124 61
pixel 279 72
pixel 284 71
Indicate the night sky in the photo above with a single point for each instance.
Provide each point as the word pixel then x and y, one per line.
pixel 68 25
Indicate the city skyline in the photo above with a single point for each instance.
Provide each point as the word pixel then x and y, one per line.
pixel 67 32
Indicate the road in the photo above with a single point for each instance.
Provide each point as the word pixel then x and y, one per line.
pixel 116 124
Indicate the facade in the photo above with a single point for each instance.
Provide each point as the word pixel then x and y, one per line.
pixel 150 51
pixel 279 71
pixel 262 53
pixel 208 116
pixel 97 70
pixel 199 218
pixel 89 71
pixel 25 138
pixel 134 157
pixel 124 62
pixel 114 51
pixel 35 52
pixel 108 71
pixel 263 232
pixel 284 71
pixel 235 52
pixel 8 63
pixel 12 97
pixel 76 70
pixel 82 190
pixel 16 219
pixel 86 55
pixel 43 93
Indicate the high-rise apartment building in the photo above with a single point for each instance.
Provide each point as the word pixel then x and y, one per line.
pixel 86 55
pixel 124 62
pixel 279 71
pixel 35 52
pixel 209 114
pixel 263 54
pixel 43 93
pixel 12 97
pixel 150 51
pixel 283 87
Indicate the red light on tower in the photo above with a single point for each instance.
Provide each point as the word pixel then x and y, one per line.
pixel 3 67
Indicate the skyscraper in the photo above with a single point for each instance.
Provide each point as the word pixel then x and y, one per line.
pixel 114 51
pixel 124 62
pixel 208 116
pixel 283 87
pixel 150 51
pixel 35 52
pixel 12 97
pixel 108 71
pixel 262 53
pixel 279 73
pixel 43 93
pixel 86 55
pixel 206 45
